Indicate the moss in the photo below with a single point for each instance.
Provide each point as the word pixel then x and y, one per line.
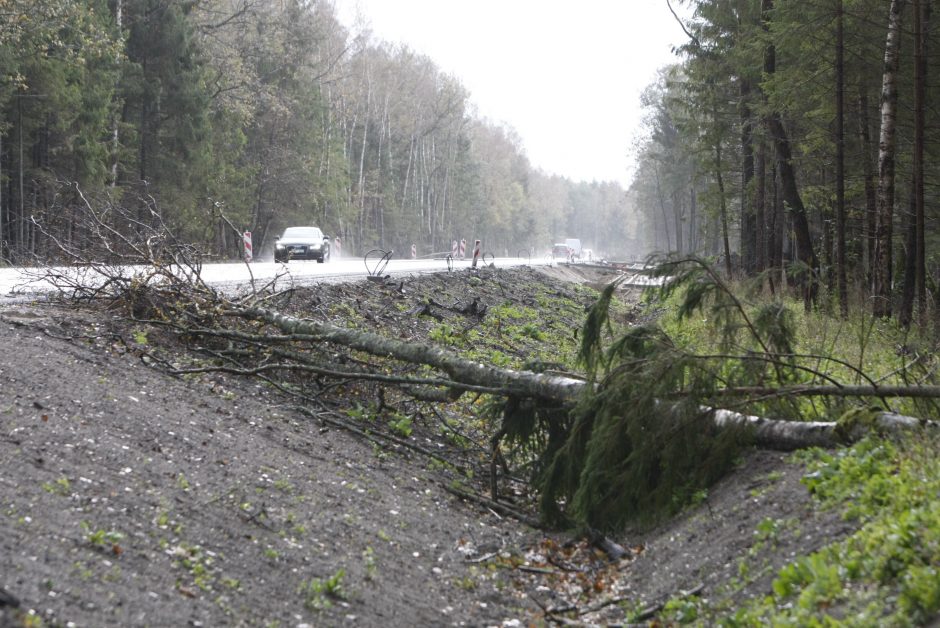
pixel 857 422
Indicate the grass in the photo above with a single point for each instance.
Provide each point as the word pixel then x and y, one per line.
pixel 888 571
pixel 858 350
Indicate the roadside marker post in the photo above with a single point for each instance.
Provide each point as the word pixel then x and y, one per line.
pixel 463 248
pixel 453 249
pixel 246 239
pixel 414 251
pixel 338 245
pixel 476 253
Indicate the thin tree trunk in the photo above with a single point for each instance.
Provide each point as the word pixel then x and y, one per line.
pixel 871 203
pixel 729 269
pixel 777 225
pixel 115 137
pixel 840 164
pixel 21 239
pixel 662 207
pixel 921 22
pixel 760 205
pixel 748 213
pixel 2 225
pixel 791 195
pixel 884 216
pixel 677 216
pixel 909 260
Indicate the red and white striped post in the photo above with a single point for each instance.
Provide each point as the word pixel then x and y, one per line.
pixel 414 251
pixel 338 246
pixel 453 250
pixel 476 253
pixel 463 248
pixel 246 238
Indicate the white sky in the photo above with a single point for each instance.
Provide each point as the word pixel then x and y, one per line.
pixel 565 74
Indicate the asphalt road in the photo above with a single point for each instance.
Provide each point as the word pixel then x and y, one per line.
pixel 23 284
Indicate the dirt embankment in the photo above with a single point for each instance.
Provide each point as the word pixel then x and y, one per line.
pixel 132 498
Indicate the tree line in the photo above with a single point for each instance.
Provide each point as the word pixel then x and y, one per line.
pixel 219 116
pixel 793 141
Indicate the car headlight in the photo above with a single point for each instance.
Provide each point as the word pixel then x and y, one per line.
pixel 279 246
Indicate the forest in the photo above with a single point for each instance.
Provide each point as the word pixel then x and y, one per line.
pixel 218 116
pixel 790 141
pixel 794 142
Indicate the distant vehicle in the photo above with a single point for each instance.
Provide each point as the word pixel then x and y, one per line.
pixel 575 245
pixel 561 251
pixel 302 243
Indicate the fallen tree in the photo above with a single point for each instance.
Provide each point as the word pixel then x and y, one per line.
pixel 636 436
pixel 465 375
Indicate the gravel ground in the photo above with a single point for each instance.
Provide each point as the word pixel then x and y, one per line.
pixel 133 498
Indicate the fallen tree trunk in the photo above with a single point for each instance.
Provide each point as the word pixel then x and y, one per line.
pixel 767 433
pixel 511 383
pixel 791 435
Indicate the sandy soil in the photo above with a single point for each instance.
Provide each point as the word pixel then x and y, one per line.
pixel 133 498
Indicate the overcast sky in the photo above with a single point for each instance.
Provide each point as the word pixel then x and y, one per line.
pixel 565 74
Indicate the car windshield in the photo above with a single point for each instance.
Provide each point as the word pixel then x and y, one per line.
pixel 303 232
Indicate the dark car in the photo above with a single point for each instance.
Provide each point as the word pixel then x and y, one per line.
pixel 302 243
pixel 561 251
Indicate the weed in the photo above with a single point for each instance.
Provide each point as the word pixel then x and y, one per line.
pixel 400 424
pixel 684 610
pixel 379 452
pixel 318 593
pixel 445 335
pixel 470 581
pixel 101 537
pixel 533 331
pixel 283 485
pixel 368 558
pixel 359 413
pixel 61 486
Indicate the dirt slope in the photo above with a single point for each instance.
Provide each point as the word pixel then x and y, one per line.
pixel 131 498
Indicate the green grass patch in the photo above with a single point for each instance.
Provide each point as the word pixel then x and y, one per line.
pixel 884 574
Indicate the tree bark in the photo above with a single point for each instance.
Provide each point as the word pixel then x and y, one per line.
pixel 514 383
pixel 749 228
pixel 871 201
pixel 884 215
pixel 921 21
pixel 722 206
pixel 909 260
pixel 791 194
pixel 840 163
pixel 662 207
pixel 760 205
